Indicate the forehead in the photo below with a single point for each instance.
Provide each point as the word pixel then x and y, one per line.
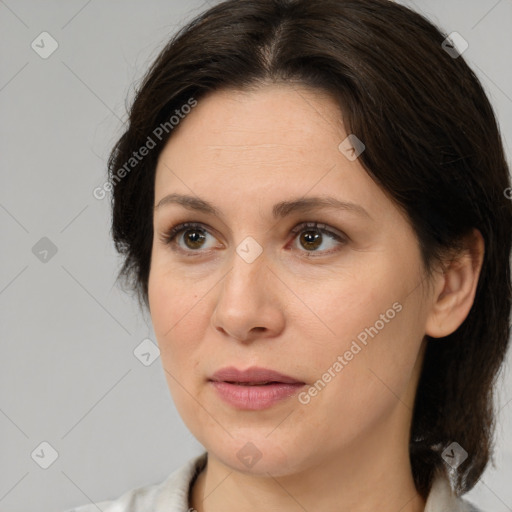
pixel 275 142
pixel 272 121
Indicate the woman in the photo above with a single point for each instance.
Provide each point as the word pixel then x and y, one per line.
pixel 308 207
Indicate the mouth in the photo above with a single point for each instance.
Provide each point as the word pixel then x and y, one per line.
pixel 253 383
pixel 255 388
pixel 254 376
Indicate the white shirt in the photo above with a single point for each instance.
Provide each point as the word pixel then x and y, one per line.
pixel 172 495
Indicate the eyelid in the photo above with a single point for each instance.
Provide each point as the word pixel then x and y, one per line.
pixel 326 228
pixel 169 236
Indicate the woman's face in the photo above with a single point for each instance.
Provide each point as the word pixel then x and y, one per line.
pixel 338 306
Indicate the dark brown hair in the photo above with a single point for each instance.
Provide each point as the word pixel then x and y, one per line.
pixel 432 144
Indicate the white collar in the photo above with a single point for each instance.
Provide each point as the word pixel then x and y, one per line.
pixel 172 495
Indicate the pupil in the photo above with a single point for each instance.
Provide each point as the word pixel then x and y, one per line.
pixel 195 238
pixel 309 238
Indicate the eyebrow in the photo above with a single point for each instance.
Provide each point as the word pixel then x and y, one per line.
pixel 280 210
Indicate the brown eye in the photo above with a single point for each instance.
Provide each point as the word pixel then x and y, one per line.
pixel 311 240
pixel 189 237
pixel 313 235
pixel 193 238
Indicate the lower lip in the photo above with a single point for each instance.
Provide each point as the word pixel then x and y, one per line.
pixel 255 397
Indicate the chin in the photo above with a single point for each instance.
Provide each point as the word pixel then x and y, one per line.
pixel 254 455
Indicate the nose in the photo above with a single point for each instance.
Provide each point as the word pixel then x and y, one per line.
pixel 249 301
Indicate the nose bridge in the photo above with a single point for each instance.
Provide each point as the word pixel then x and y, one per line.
pixel 244 303
pixel 248 273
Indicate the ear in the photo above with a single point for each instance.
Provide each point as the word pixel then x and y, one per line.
pixel 455 288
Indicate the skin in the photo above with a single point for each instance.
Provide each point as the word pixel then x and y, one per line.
pixel 293 311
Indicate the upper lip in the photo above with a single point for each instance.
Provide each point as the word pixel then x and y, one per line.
pixel 254 374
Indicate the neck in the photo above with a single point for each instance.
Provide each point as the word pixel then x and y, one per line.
pixel 370 475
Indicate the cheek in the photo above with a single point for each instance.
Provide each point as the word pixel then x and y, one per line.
pixel 373 322
pixel 177 313
pixel 172 311
pixel 172 300
pixel 342 307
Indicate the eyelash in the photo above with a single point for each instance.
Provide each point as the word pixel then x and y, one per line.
pixel 169 236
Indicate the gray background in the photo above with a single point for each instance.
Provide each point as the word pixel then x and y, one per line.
pixel 68 374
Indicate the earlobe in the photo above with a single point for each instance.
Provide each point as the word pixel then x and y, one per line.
pixel 455 289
